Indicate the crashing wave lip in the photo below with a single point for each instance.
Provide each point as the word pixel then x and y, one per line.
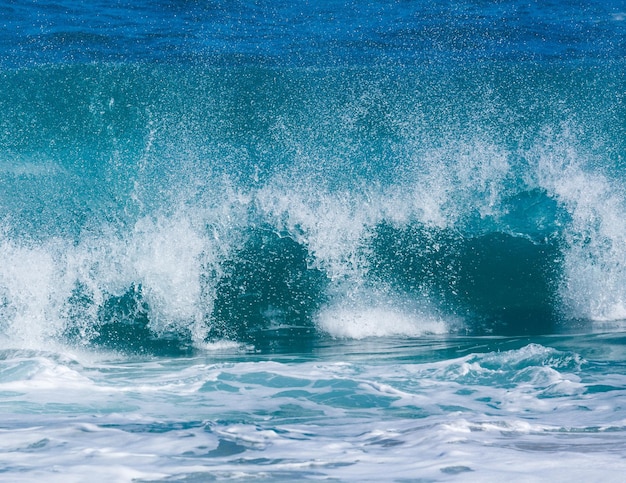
pixel 360 323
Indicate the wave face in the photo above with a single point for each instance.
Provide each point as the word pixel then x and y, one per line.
pixel 158 208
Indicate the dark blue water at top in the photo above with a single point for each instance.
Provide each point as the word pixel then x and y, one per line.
pixel 309 33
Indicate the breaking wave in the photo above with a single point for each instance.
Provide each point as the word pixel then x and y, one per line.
pixel 154 211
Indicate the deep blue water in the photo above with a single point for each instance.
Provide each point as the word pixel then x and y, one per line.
pixel 292 240
pixel 329 33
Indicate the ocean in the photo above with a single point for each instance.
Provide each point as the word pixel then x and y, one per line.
pixel 334 240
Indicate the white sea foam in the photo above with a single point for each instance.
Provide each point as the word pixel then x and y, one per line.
pixel 594 271
pixel 322 418
pixel 377 321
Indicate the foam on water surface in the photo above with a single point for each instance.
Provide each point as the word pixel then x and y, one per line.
pixel 476 416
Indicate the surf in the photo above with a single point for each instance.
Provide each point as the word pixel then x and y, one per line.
pixel 157 210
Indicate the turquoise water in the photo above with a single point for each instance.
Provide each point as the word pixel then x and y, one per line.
pixel 331 241
pixel 397 409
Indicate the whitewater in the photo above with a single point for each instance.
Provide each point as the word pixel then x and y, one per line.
pixel 283 241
